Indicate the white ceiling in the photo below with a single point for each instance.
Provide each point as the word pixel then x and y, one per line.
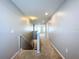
pixel 37 8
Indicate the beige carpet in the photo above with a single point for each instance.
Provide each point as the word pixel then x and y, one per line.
pixel 47 52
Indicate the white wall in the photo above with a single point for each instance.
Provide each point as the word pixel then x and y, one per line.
pixel 64 29
pixel 10 28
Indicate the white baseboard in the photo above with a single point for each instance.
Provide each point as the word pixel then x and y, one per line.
pixel 58 51
pixel 16 53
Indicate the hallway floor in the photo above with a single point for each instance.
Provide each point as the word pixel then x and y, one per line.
pixel 47 52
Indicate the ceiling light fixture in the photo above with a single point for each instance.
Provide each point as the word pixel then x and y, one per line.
pixel 33 17
pixel 46 13
pixel 29 18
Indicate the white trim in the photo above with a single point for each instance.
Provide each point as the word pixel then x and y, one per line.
pixel 38 42
pixel 16 54
pixel 58 51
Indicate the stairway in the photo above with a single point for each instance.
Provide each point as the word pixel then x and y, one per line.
pixel 47 52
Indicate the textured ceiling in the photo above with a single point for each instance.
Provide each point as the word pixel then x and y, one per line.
pixel 38 8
